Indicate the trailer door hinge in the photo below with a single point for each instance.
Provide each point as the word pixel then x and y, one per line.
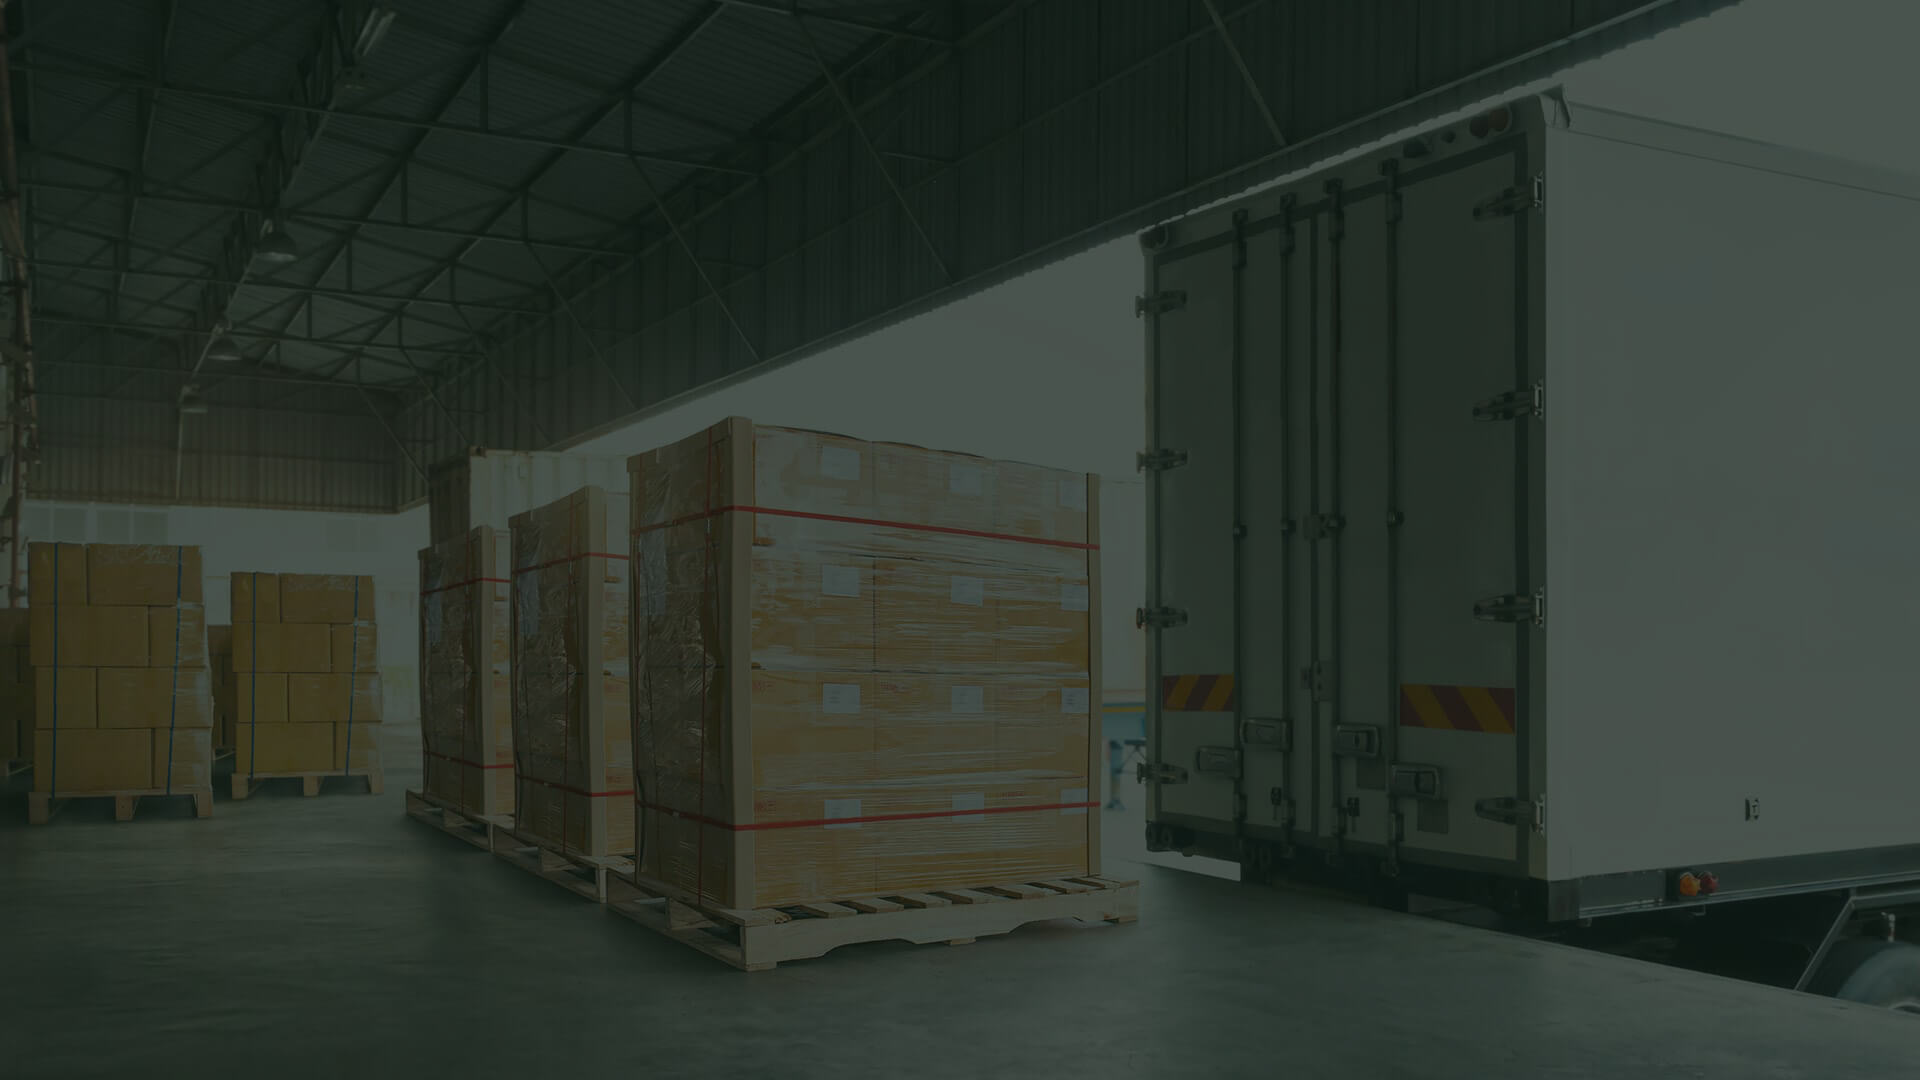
pixel 1508 810
pixel 1514 404
pixel 1159 303
pixel 1160 618
pixel 1514 608
pixel 1160 774
pixel 1159 460
pixel 1513 200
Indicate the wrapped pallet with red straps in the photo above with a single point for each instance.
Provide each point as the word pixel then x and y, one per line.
pixel 572 746
pixel 862 670
pixel 466 724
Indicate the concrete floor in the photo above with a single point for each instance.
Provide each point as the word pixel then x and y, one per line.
pixel 333 936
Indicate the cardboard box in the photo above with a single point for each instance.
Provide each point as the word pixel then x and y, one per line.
pixel 283 748
pixel 143 575
pixel 572 724
pixel 187 623
pixel 78 701
pixel 356 747
pixel 92 761
pixel 70 563
pixel 326 699
pixel 325 598
pixel 355 648
pixel 255 597
pixel 259 699
pixel 306 647
pixel 959 752
pixel 183 760
pixel 257 648
pixel 90 636
pixel 466 686
pixel 155 698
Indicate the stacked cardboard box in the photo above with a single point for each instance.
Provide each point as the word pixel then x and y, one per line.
pixel 572 739
pixel 466 691
pixel 122 695
pixel 16 687
pixel 306 682
pixel 220 657
pixel 860 668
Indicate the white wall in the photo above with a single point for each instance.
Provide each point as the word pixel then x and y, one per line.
pixel 1046 369
pixel 277 541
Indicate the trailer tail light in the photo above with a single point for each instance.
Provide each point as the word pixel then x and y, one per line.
pixel 1493 122
pixel 1693 885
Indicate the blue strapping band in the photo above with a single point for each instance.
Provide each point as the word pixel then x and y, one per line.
pixel 173 701
pixel 353 673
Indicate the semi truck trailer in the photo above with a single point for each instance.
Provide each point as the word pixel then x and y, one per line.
pixel 1532 521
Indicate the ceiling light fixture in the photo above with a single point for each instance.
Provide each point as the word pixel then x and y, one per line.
pixel 276 246
pixel 191 403
pixel 221 348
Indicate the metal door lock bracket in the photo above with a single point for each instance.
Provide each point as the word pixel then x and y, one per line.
pixel 1218 761
pixel 1356 741
pixel 1513 200
pixel 1147 773
pixel 1159 303
pixel 1513 608
pixel 1158 460
pixel 1259 733
pixel 1514 404
pixel 1159 618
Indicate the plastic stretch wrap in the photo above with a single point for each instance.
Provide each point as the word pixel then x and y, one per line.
pixel 465 662
pixel 305 691
pixel 122 684
pixel 861 668
pixel 572 740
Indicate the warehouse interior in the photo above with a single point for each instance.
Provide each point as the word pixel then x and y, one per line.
pixel 277 270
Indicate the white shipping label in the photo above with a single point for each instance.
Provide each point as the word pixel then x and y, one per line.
pixel 1073 598
pixel 971 591
pixel 969 699
pixel 965 479
pixel 842 808
pixel 1072 795
pixel 1073 494
pixel 839 463
pixel 1076 700
pixel 840 580
pixel 970 801
pixel 840 697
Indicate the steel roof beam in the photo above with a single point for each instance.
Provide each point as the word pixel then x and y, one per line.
pixel 794 10
pixel 148 107
pixel 313 383
pixel 321 218
pixel 637 78
pixel 251 335
pixel 316 290
pixel 258 104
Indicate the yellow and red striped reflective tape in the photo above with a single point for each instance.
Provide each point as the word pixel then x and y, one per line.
pixel 1457 708
pixel 1196 693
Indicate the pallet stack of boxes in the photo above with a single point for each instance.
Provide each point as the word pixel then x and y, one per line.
pixel 16 688
pixel 122 693
pixel 466 724
pixel 306 683
pixel 860 669
pixel 573 757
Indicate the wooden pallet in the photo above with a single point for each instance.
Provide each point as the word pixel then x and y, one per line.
pixel 245 785
pixel 475 829
pixel 586 875
pixel 10 769
pixel 760 939
pixel 41 806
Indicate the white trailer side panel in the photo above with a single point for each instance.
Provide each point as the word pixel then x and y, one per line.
pixel 1731 517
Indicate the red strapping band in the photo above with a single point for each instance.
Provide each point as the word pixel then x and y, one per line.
pixel 868 521
pixel 923 816
pixel 568 559
pixel 463 761
pixel 464 584
pixel 572 790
